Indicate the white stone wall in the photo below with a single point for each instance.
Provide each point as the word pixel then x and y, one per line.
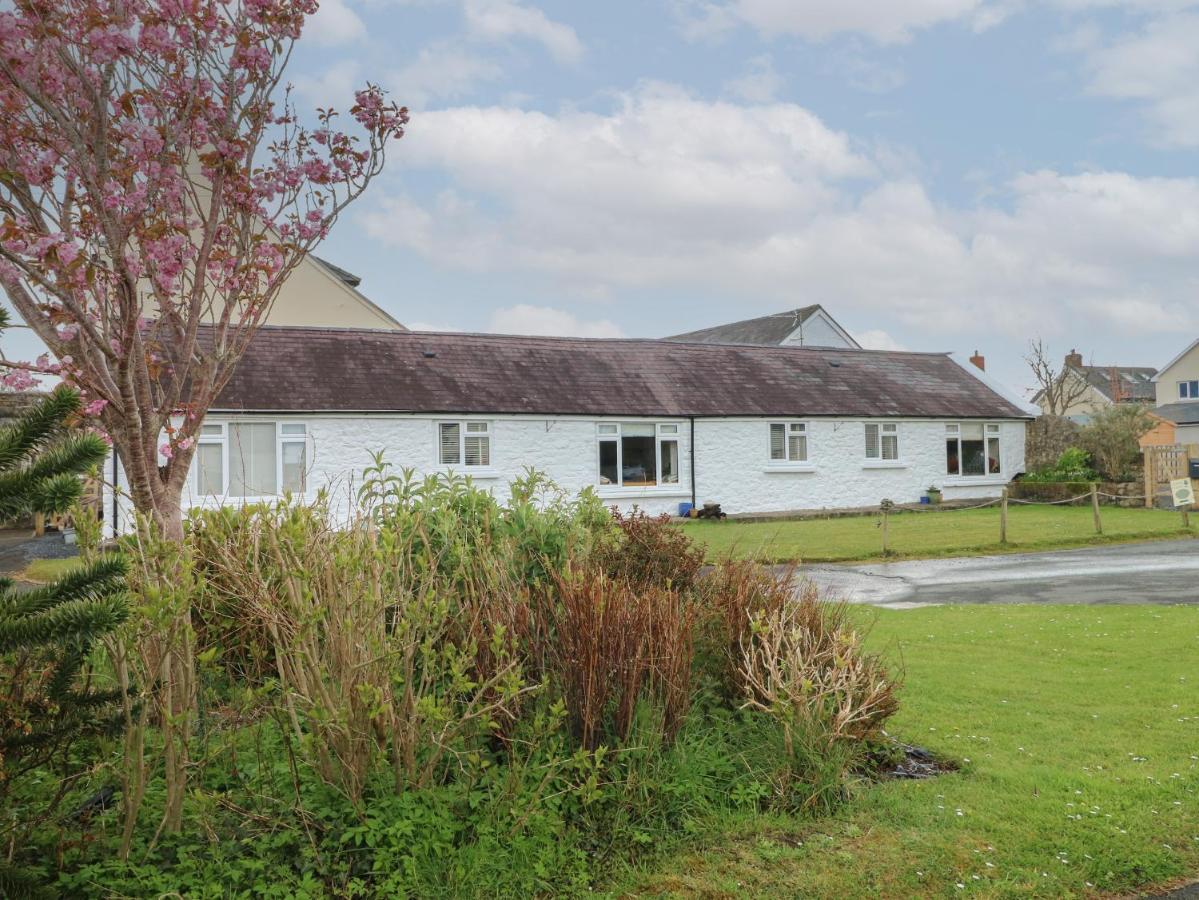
pixel 732 462
pixel 733 468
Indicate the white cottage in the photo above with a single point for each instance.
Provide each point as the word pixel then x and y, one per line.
pixel 648 423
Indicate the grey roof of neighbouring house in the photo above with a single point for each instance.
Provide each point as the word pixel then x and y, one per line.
pixel 291 369
pixel 1179 413
pixel 1136 382
pixel 762 331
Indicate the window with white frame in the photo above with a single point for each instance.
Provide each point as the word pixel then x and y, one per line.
pixel 788 442
pixel 466 444
pixel 251 459
pixel 972 449
pixel 638 454
pixel 1188 390
pixel 882 441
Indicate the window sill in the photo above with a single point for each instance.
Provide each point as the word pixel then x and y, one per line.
pixel 884 464
pixel 975 480
pixel 472 472
pixel 785 468
pixel 607 492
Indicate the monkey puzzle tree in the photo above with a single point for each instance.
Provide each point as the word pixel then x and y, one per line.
pixel 153 199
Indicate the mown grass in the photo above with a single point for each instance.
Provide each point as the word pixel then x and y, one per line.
pixel 930 534
pixel 1078 732
pixel 44 570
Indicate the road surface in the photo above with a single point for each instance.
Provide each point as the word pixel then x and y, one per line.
pixel 1164 572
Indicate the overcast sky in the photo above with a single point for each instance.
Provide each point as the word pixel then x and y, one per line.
pixel 939 174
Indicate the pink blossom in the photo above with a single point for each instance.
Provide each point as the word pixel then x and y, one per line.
pixel 166 452
pixel 96 407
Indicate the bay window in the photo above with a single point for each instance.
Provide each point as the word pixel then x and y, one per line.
pixel 638 454
pixel 972 449
pixel 466 444
pixel 251 459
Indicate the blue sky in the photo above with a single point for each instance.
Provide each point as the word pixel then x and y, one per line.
pixel 940 174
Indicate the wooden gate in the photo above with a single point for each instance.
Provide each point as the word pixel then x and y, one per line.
pixel 1163 465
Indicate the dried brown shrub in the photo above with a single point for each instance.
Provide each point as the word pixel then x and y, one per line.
pixel 612 645
pixel 652 553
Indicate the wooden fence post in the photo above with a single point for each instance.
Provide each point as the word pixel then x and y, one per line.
pixel 1003 517
pixel 1150 479
pixel 1095 508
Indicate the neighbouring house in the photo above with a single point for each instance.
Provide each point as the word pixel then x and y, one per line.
pixel 645 423
pixel 808 326
pixel 1177 394
pixel 319 293
pixel 1094 388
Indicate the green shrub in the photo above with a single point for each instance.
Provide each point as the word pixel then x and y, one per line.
pixel 1073 466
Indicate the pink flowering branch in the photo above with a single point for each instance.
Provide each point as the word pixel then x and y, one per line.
pixel 158 189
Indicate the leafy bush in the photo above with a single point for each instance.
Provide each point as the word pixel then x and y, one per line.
pixel 1073 466
pixel 1113 439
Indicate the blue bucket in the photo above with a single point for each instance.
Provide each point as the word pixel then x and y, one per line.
pixel 685 509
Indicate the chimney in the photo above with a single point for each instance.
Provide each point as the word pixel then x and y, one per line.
pixel 1074 360
pixel 979 361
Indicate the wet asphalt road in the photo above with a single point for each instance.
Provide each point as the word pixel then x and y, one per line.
pixel 1164 572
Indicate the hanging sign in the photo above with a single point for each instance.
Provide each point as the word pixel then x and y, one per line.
pixel 1183 491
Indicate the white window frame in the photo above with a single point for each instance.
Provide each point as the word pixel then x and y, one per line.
pixel 664 432
pixel 991 431
pixel 482 428
pixel 1188 390
pixel 885 429
pixel 788 463
pixel 221 438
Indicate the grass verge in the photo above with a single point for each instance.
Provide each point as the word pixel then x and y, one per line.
pixel 914 535
pixel 1078 732
pixel 46 570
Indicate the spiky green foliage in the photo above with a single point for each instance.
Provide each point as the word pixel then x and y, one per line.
pixel 41 458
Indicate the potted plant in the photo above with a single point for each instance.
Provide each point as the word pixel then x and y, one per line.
pixel 934 495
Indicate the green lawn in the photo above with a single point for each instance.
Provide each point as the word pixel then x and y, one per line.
pixel 917 534
pixel 42 570
pixel 1078 732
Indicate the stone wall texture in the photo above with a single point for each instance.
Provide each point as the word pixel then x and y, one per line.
pixel 732 461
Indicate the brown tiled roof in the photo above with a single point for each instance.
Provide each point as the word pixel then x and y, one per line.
pixel 762 331
pixel 289 369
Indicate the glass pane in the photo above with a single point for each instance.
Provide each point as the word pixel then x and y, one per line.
pixel 777 448
pixel 291 428
pixel 952 460
pixel 972 432
pixel 211 430
pixel 994 459
pixel 608 429
pixel 295 455
pixel 476 427
pixel 478 450
pixel 797 448
pixel 669 429
pixel 639 468
pixel 637 430
pixel 670 462
pixel 252 459
pixel 890 446
pixel 608 467
pixel 799 427
pixel 992 429
pixel 449 453
pixel 872 442
pixel 951 429
pixel 974 457
pixel 210 476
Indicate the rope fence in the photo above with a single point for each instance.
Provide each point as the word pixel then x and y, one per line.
pixel 1004 501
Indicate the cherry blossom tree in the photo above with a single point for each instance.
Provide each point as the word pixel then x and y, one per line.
pixel 156 190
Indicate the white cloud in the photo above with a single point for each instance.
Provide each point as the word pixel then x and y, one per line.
pixel 668 191
pixel 545 320
pixel 334 23
pixel 759 83
pixel 877 339
pixel 503 19
pixel 333 87
pixel 885 22
pixel 1158 66
pixel 442 71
